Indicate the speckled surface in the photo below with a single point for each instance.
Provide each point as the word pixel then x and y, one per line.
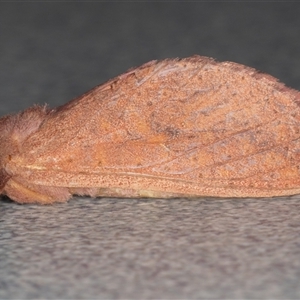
pixel 151 249
pixel 144 249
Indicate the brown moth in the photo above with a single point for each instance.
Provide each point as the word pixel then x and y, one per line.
pixel 178 127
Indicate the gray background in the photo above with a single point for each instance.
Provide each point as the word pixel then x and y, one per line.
pixel 88 248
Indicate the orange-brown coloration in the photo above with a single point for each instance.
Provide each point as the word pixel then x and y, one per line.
pixel 179 127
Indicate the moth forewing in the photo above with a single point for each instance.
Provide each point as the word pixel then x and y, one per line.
pixel 189 127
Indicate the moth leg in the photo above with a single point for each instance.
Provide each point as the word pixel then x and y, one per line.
pixel 23 192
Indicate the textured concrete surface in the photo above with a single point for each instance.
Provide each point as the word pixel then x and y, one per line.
pixel 143 249
pixel 151 249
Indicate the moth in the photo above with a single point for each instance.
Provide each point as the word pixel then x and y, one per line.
pixel 172 128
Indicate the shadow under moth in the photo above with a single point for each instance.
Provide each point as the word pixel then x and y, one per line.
pixel 173 128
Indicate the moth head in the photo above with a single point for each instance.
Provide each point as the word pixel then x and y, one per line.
pixel 14 130
pixel 6 127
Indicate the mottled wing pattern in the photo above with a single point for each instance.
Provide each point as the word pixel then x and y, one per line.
pixel 191 120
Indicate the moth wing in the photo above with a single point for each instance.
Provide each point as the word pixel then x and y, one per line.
pixel 193 123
